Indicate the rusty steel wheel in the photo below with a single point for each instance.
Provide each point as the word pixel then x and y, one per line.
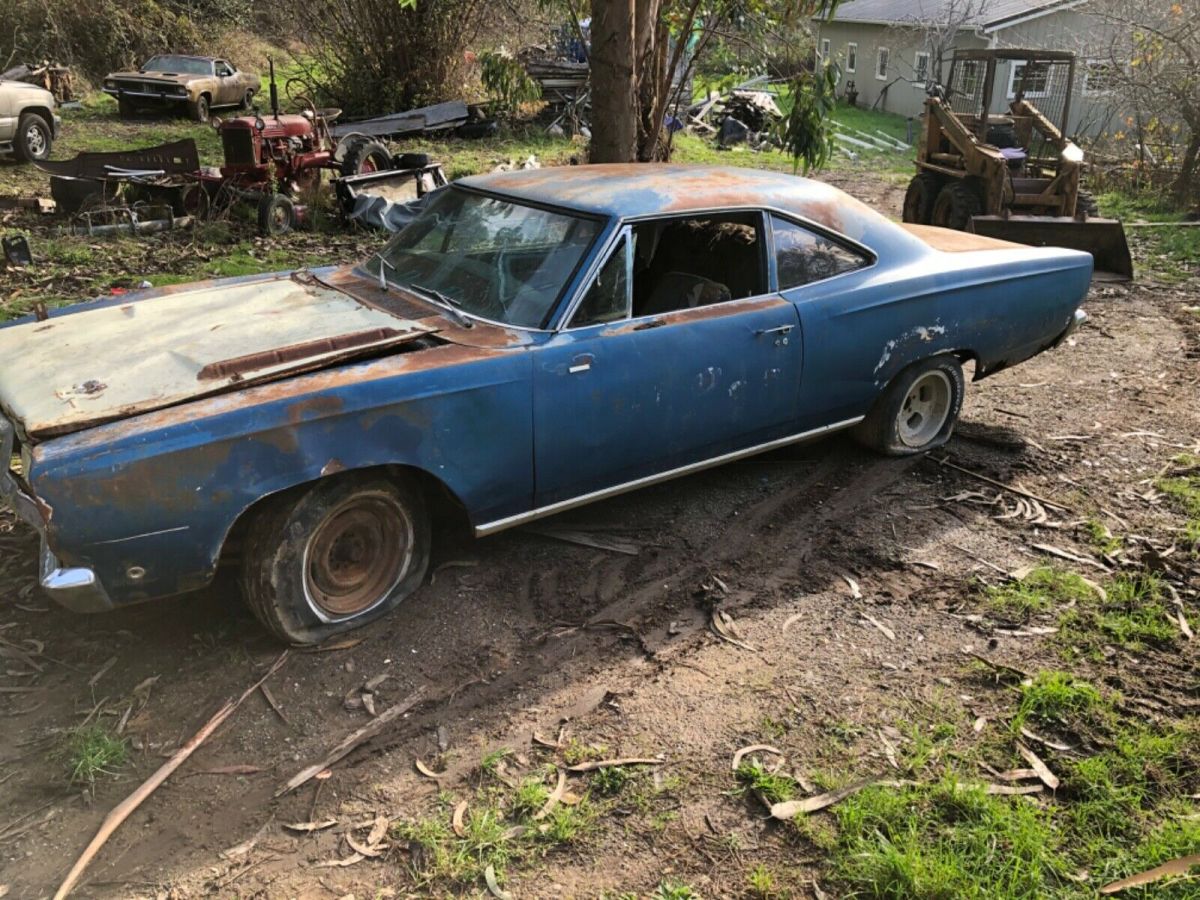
pixel 324 558
pixel 357 555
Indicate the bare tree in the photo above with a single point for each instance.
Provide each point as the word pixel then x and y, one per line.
pixel 1150 64
pixel 938 25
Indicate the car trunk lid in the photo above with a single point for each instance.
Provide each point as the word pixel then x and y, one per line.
pixel 98 364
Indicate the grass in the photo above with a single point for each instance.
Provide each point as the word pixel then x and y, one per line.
pixel 1058 698
pixel 1135 615
pixel 1169 254
pixel 1040 591
pixel 1182 487
pixel 93 751
pixel 1101 537
pixel 771 786
pixel 761 882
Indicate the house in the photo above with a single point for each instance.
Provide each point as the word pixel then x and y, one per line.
pixel 889 49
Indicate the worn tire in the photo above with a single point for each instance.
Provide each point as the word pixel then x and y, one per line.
pixel 276 215
pixel 198 109
pixel 889 428
pixel 957 202
pixel 248 100
pixel 919 198
pixel 365 156
pixel 281 579
pixel 33 138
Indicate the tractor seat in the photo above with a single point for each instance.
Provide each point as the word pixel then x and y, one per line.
pixel 329 114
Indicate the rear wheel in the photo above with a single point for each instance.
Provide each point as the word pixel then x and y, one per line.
pixel 33 138
pixel 918 409
pixel 365 156
pixel 957 203
pixel 919 198
pixel 248 100
pixel 335 556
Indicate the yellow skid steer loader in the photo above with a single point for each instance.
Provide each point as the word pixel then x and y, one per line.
pixel 1004 167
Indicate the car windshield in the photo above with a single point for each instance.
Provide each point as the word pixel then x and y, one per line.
pixel 179 65
pixel 487 257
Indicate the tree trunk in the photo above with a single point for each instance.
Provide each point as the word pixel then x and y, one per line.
pixel 614 82
pixel 1182 189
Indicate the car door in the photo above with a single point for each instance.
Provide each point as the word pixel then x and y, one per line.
pixel 619 397
pixel 228 85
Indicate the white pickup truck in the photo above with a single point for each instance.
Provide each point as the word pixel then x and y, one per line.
pixel 28 123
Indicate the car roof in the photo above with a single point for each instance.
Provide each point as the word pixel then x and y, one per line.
pixel 184 56
pixel 630 190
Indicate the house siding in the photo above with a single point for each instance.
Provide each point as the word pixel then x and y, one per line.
pixel 1072 29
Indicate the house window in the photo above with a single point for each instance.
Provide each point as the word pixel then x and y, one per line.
pixel 1032 78
pixel 968 77
pixel 825 49
pixel 1101 76
pixel 851 57
pixel 921 68
pixel 881 63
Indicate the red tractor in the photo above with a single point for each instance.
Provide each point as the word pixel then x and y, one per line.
pixel 276 161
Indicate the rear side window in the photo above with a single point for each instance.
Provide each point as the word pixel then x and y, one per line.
pixel 803 256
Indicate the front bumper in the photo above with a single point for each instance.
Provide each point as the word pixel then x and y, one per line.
pixel 77 589
pixel 158 96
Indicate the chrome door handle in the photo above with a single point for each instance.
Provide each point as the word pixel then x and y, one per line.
pixel 779 329
pixel 581 363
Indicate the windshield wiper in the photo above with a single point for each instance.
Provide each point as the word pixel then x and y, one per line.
pixel 445 300
pixel 384 265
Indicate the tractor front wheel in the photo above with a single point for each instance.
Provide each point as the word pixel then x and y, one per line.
pixel 276 214
pixel 957 203
pixel 919 198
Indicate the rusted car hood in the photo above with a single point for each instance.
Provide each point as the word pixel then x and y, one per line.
pixel 98 364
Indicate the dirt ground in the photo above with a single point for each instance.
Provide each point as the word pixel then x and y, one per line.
pixel 849 577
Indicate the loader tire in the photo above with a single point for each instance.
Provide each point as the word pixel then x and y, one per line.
pixel 919 198
pixel 957 203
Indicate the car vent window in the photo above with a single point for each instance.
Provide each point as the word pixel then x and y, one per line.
pixel 607 300
pixel 803 256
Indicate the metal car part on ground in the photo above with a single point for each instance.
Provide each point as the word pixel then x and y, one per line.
pixel 533 341
pixel 1013 176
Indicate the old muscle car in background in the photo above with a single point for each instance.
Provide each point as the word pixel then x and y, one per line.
pixel 197 83
pixel 533 341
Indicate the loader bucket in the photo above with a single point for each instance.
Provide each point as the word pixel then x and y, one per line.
pixel 1103 238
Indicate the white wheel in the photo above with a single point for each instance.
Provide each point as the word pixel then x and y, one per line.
pixel 925 409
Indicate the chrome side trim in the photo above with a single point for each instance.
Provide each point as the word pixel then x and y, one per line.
pixel 563 505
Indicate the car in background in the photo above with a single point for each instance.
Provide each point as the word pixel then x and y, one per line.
pixel 28 121
pixel 173 81
pixel 531 342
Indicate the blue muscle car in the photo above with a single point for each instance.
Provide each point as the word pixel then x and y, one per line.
pixel 532 341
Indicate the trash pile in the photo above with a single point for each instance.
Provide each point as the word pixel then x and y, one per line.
pixel 51 76
pixel 743 116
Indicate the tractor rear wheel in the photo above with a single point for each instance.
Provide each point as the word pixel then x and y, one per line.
pixel 365 156
pixel 957 203
pixel 276 214
pixel 919 198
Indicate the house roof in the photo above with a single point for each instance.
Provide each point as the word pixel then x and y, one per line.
pixel 991 16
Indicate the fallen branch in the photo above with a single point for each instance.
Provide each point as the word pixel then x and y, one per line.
pixel 613 763
pixel 352 740
pixel 123 810
pixel 1021 492
pixel 1179 866
pixel 789 809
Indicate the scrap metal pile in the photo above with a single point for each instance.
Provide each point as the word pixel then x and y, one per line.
pixel 741 116
pixel 51 76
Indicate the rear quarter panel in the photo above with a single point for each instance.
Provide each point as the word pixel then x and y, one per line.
pixel 998 307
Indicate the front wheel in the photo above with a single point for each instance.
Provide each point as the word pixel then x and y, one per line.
pixel 335 556
pixel 33 138
pixel 276 215
pixel 917 411
pixel 198 109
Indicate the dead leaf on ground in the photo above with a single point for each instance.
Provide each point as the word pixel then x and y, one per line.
pixel 108 664
pixel 546 742
pixel 725 628
pixel 311 826
pixel 1045 742
pixel 428 772
pixel 364 849
pixel 1013 789
pixel 555 796
pixel 855 591
pixel 340 863
pixel 613 763
pixel 230 770
pixel 1180 866
pixel 489 875
pixel 752 748
pixel 457 821
pixel 789 809
pixel 887 632
pixel 1043 771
